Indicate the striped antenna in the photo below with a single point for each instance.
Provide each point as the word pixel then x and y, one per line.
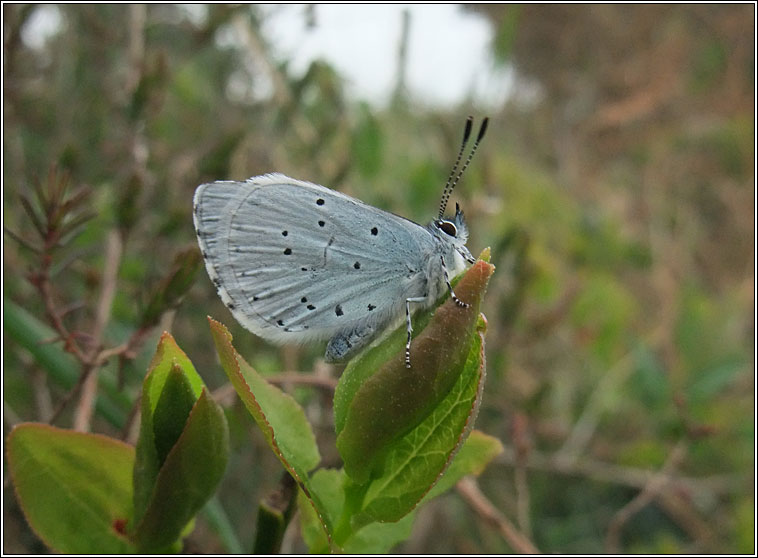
pixel 450 185
pixel 448 189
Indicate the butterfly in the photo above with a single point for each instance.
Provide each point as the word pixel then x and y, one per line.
pixel 296 262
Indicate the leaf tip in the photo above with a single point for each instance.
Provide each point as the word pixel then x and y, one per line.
pixel 166 337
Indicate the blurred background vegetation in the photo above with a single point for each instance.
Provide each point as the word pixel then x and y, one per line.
pixel 618 197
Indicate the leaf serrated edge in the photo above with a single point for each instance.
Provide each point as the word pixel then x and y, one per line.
pixel 268 430
pixel 467 427
pixel 471 419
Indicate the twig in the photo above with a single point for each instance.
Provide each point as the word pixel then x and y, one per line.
pixel 11 419
pixel 42 397
pixel 679 507
pixel 585 426
pixel 137 20
pixel 41 280
pixel 83 377
pixel 129 432
pixel 626 476
pixel 651 490
pixel 83 409
pixel 113 251
pixel 306 379
pixel 468 488
pixel 523 448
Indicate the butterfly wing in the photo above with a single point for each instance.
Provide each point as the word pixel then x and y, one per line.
pixel 295 261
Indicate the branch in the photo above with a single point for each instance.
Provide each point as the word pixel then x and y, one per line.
pixel 650 492
pixel 113 251
pixel 468 488
pixel 617 474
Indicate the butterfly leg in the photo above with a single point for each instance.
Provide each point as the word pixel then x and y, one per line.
pixel 457 300
pixel 410 327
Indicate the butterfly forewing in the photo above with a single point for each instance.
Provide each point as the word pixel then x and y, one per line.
pixel 295 261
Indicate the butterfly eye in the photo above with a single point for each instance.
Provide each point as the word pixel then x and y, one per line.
pixel 447 227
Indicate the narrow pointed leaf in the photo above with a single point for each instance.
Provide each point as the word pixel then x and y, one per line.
pixel 188 476
pixel 167 356
pixel 32 213
pixel 171 413
pixel 278 415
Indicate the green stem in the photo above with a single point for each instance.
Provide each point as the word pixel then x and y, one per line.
pixel 345 528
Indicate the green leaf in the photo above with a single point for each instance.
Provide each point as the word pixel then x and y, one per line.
pixel 380 538
pixel 188 477
pixel 75 488
pixel 171 412
pixel 710 381
pixel 167 293
pixel 372 539
pixel 181 452
pixel 327 483
pixel 415 462
pixel 278 415
pixel 379 400
pixel 168 356
pixel 476 453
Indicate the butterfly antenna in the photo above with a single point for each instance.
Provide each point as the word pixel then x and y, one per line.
pixel 448 186
pixel 448 189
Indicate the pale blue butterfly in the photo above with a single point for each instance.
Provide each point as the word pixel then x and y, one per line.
pixel 297 262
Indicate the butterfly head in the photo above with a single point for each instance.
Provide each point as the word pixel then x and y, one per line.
pixel 454 232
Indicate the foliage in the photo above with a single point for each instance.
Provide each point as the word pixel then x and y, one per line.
pixel 118 500
pixel 616 188
pixel 387 470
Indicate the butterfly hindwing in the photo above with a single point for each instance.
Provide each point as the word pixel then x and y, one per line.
pixel 295 261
